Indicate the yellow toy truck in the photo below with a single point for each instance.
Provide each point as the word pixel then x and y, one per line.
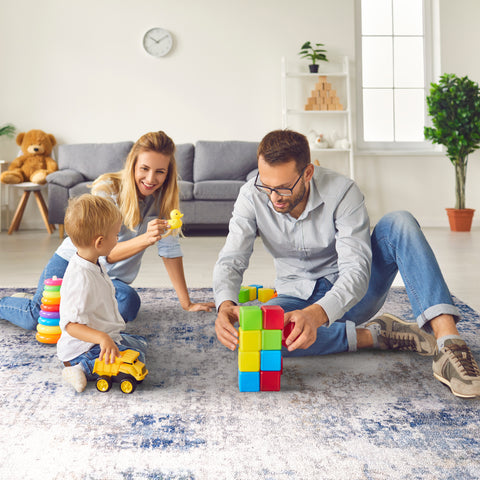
pixel 127 371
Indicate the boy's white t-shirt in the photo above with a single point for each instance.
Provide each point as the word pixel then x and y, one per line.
pixel 87 296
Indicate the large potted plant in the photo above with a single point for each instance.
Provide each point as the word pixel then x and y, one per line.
pixel 454 105
pixel 314 53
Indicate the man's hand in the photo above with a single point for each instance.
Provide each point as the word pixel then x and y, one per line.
pixel 306 323
pixel 224 324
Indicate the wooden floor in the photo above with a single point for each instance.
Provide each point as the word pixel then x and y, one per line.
pixel 24 254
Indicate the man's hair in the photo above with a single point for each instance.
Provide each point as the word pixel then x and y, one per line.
pixel 89 216
pixel 282 146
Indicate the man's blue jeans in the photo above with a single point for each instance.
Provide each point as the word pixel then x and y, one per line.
pixel 25 312
pixel 398 244
pixel 87 359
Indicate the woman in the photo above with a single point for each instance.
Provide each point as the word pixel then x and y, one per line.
pixel 145 191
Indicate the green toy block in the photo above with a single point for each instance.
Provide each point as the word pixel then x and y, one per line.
pixel 244 295
pixel 271 339
pixel 249 340
pixel 251 318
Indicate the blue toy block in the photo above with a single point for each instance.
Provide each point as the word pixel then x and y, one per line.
pixel 249 381
pixel 271 360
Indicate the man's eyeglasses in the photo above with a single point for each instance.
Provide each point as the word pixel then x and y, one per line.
pixel 283 191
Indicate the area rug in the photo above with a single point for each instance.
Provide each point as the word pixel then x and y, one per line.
pixel 368 415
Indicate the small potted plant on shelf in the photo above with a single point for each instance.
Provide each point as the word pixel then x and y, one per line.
pixel 314 53
pixel 454 105
pixel 7 130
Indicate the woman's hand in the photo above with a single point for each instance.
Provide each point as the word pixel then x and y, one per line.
pixel 155 229
pixel 199 307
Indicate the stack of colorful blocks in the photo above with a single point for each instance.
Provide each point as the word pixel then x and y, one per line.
pixel 48 330
pixel 260 348
pixel 254 292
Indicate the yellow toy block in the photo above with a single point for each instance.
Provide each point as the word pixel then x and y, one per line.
pixel 250 340
pixel 249 361
pixel 265 294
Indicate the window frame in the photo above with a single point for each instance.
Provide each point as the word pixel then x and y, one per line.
pixel 431 72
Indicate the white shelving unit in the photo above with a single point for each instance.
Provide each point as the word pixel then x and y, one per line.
pixel 297 86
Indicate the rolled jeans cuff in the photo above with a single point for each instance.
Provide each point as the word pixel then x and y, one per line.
pixel 430 313
pixel 351 331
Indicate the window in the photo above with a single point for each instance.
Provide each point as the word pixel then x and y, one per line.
pixel 394 73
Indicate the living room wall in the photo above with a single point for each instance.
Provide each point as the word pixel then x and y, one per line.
pixel 78 70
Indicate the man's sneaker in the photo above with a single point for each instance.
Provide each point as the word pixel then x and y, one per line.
pixel 397 334
pixel 455 366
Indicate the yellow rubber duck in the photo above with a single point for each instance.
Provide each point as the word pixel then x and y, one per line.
pixel 175 216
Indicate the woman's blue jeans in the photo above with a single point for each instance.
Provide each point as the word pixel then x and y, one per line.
pixel 398 244
pixel 25 312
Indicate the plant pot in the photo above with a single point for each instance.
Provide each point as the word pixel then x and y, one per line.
pixel 460 219
pixel 313 68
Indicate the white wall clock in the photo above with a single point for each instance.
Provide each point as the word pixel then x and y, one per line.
pixel 158 42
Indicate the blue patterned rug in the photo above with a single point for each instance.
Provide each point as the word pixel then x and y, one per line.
pixel 368 415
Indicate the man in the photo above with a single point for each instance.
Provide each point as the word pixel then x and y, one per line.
pixel 331 275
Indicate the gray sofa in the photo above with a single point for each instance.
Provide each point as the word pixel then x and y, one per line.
pixel 210 177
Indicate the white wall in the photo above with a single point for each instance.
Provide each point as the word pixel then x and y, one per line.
pixel 78 70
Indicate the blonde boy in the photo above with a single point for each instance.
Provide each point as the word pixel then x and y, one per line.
pixel 89 318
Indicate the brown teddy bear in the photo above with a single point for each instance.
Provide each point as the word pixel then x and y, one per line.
pixel 35 163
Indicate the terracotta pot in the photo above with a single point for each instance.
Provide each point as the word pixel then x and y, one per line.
pixel 460 219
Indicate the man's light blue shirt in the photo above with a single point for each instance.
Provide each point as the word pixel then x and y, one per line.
pixel 127 270
pixel 330 239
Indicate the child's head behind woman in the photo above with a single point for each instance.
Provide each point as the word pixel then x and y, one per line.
pixel 88 217
pixel 125 183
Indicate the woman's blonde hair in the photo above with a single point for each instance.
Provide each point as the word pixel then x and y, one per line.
pixel 123 184
pixel 88 217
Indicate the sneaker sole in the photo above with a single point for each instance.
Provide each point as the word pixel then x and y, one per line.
pixel 447 383
pixel 403 322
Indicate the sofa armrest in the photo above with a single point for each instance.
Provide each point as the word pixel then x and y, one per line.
pixel 66 178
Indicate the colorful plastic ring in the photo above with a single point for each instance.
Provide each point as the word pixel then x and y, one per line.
pixel 47 338
pixel 51 295
pixel 48 330
pixel 51 301
pixel 51 288
pixel 49 322
pixel 48 314
pixel 49 308
pixel 53 281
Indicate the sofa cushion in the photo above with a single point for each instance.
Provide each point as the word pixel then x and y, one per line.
pixel 93 159
pixel 80 189
pixel 186 190
pixel 184 158
pixel 217 190
pixel 229 160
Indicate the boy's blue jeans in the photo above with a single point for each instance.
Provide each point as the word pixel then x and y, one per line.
pixel 25 312
pixel 87 359
pixel 398 244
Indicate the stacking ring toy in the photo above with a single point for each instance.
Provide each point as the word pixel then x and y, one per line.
pixel 47 338
pixel 47 314
pixel 51 288
pixel 54 281
pixel 51 301
pixel 51 295
pixel 50 308
pixel 49 322
pixel 48 330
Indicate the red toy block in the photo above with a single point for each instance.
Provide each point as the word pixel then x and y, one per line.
pixel 287 330
pixel 270 381
pixel 272 317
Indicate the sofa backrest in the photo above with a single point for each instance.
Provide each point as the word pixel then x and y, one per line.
pixel 228 160
pixel 93 159
pixel 184 157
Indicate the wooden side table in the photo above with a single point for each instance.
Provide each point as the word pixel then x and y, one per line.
pixel 29 187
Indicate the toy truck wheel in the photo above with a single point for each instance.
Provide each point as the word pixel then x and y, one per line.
pixel 128 385
pixel 104 384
